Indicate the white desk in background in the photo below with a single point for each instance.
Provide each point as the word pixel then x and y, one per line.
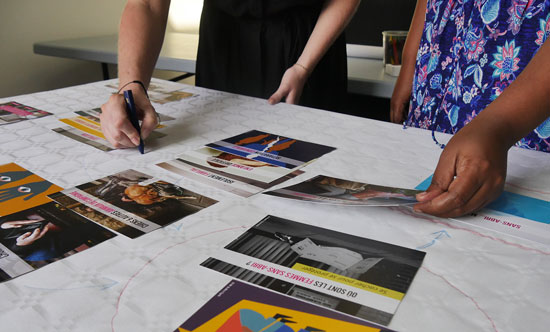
pixel 473 280
pixel 179 52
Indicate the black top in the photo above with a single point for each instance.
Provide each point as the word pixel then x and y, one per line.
pixel 245 46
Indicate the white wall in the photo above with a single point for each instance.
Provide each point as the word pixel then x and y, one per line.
pixel 184 15
pixel 23 22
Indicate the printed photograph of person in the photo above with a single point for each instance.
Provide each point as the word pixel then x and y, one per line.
pixel 272 149
pixel 96 216
pixel 325 189
pixel 160 202
pixel 131 198
pixel 301 247
pixel 45 234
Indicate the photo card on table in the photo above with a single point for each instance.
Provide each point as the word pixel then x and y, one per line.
pixel 358 276
pixel 272 149
pixel 21 189
pixel 38 236
pixel 86 128
pixel 132 203
pixel 12 112
pixel 240 176
pixel 330 190
pixel 244 307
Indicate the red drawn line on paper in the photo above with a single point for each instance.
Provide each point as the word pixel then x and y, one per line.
pixel 528 189
pixel 519 246
pixel 466 295
pixel 155 257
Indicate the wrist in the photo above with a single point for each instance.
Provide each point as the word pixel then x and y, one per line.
pixel 494 129
pixel 303 68
pixel 133 85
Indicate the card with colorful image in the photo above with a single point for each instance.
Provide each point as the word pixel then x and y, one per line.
pixel 20 189
pixel 244 307
pixel 330 190
pixel 12 111
pixel 132 203
pixel 271 149
pixel 41 235
pixel 238 175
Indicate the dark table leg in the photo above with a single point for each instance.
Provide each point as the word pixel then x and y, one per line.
pixel 181 77
pixel 105 69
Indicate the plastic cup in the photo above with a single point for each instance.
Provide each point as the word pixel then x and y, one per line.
pixel 393 43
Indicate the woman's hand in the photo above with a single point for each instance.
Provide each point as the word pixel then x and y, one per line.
pixel 291 86
pixel 470 173
pixel 400 99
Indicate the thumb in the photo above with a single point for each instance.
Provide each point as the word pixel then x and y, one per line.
pixel 276 97
pixel 443 176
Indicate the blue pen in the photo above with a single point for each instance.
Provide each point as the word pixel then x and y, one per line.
pixel 132 115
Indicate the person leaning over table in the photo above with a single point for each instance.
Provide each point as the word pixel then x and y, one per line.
pixel 290 50
pixel 458 58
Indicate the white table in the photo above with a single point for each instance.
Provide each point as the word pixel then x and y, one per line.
pixel 475 280
pixel 179 53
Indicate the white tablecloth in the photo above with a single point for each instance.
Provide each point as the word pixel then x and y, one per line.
pixel 474 280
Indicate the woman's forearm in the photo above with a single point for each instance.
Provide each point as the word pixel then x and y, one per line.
pixel 524 104
pixel 334 17
pixel 141 34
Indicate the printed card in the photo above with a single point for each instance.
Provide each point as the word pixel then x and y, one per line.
pixel 357 276
pixel 243 307
pixel 271 149
pixel 14 112
pixel 20 189
pixel 43 234
pixel 329 190
pixel 132 203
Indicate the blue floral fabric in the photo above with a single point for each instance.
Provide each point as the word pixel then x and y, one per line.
pixel 470 51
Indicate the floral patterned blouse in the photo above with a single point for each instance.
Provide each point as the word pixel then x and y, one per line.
pixel 470 51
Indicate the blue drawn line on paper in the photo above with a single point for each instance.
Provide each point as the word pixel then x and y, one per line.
pixel 108 284
pixel 177 228
pixel 513 204
pixel 439 235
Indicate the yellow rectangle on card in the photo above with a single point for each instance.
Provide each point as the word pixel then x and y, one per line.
pixel 86 126
pixel 349 281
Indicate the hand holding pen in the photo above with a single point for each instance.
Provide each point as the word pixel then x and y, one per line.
pixel 116 125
